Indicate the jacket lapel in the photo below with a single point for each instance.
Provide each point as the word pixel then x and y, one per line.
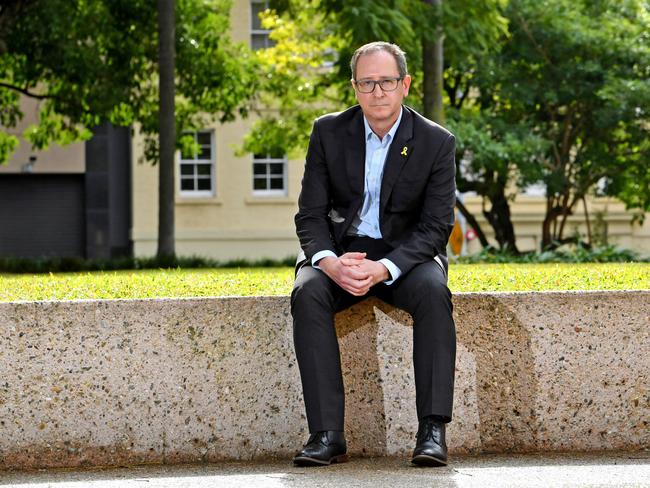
pixel 398 155
pixel 355 154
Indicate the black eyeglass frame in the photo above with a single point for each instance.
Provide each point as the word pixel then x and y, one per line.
pixel 379 82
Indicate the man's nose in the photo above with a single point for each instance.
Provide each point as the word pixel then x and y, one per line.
pixel 377 91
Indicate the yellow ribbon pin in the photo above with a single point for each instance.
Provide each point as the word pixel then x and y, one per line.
pixel 404 151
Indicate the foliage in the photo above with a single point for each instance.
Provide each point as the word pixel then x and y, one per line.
pixel 90 61
pixel 63 265
pixel 279 281
pixel 555 92
pixel 578 73
pixel 307 73
pixel 496 158
pixel 296 78
pixel 576 254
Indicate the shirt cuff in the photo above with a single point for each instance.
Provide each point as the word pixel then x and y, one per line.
pixel 394 271
pixel 320 255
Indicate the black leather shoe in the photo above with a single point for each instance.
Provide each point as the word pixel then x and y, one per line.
pixel 323 448
pixel 430 449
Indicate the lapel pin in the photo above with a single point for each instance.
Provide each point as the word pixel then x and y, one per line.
pixel 404 151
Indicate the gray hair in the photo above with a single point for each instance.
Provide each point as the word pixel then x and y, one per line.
pixel 377 46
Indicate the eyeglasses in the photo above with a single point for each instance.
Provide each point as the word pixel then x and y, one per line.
pixel 368 86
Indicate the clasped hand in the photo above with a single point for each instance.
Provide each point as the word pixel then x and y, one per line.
pixel 353 272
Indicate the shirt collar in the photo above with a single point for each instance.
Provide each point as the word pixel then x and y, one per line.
pixel 390 133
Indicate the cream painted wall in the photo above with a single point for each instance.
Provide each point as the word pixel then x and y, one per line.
pixel 528 214
pixel 56 159
pixel 233 223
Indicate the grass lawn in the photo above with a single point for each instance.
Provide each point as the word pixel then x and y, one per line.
pixel 278 281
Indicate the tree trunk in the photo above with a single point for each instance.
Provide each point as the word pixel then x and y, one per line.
pixel 167 127
pixel 432 71
pixel 471 220
pixel 589 236
pixel 499 218
pixel 550 219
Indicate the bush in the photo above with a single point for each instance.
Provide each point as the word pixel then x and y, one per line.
pixel 63 265
pixel 576 254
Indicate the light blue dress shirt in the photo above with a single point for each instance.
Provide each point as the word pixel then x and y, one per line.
pixel 366 222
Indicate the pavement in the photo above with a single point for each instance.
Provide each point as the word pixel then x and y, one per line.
pixel 606 470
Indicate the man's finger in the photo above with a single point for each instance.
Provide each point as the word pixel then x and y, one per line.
pixel 354 255
pixel 355 274
pixel 357 284
pixel 357 293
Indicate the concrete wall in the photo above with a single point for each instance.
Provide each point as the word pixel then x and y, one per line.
pixel 108 382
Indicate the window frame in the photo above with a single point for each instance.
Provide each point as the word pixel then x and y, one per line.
pixel 259 32
pixel 196 193
pixel 270 192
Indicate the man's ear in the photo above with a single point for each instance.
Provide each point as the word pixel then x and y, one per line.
pixel 356 95
pixel 407 84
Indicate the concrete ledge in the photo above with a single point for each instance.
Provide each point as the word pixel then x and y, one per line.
pixel 131 381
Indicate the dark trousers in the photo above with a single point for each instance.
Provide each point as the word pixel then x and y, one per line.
pixel 422 292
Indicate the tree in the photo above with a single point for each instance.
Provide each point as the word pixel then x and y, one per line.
pixel 91 61
pixel 433 66
pixel 167 132
pixel 578 73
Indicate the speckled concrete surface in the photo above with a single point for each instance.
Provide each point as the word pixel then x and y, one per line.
pixel 110 382
pixel 601 470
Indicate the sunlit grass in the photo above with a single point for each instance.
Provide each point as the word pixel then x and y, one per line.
pixel 278 281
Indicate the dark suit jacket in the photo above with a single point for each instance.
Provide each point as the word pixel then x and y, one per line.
pixel 418 188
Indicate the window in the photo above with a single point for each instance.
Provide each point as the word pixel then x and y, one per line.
pixel 197 169
pixel 259 35
pixel 269 175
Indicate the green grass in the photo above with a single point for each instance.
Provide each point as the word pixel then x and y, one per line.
pixel 278 281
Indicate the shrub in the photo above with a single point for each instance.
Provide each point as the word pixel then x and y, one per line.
pixel 72 264
pixel 576 254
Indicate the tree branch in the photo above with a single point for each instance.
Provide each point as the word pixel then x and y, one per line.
pixel 530 35
pixel 25 91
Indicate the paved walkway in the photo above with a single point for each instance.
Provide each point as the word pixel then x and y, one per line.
pixel 604 470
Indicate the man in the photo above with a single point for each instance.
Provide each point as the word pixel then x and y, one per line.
pixel 375 213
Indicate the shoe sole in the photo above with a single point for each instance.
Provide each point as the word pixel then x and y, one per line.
pixel 424 460
pixel 309 461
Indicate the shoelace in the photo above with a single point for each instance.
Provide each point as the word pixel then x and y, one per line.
pixel 429 433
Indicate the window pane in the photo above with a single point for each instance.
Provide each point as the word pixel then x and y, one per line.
pixel 204 184
pixel 259 169
pixel 204 138
pixel 277 168
pixel 187 184
pixel 256 8
pixel 205 153
pixel 259 184
pixel 258 41
pixel 203 169
pixel 277 183
pixel 187 169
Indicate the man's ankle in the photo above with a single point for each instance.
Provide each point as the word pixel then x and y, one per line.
pixel 436 418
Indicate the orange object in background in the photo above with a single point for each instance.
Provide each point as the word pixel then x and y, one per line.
pixel 456 239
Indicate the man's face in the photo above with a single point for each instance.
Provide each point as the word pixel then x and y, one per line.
pixel 380 107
